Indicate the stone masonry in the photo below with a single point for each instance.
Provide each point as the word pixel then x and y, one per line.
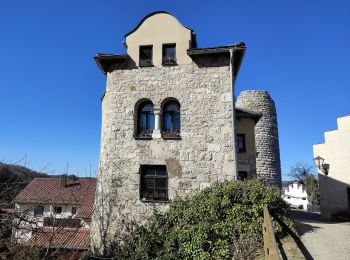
pixel 268 162
pixel 203 156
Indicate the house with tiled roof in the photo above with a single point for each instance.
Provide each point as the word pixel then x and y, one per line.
pixel 55 212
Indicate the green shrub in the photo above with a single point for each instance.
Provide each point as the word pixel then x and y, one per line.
pixel 220 222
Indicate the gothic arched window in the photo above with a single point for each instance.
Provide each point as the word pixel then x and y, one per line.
pixel 171 119
pixel 145 119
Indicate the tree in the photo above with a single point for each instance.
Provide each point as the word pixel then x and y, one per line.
pixel 312 189
pixel 302 172
pixel 299 170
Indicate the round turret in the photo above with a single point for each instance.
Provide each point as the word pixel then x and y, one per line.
pixel 268 164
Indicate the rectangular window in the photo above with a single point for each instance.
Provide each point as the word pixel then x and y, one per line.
pixel 242 175
pixel 57 210
pixel 38 211
pixel 154 183
pixel 146 56
pixel 240 143
pixel 169 54
pixel 74 210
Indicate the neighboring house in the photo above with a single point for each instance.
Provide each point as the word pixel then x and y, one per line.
pixel 334 174
pixel 295 195
pixel 55 212
pixel 167 127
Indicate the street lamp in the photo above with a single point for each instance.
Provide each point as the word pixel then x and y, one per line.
pixel 319 162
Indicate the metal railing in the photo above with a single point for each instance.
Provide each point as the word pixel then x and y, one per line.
pixel 270 244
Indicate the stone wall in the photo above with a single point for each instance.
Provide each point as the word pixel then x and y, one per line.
pixel 203 155
pixel 268 162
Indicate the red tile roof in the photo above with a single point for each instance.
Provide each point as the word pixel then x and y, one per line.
pixel 80 192
pixel 70 238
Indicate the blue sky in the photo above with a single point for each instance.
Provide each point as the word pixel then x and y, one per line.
pixel 50 87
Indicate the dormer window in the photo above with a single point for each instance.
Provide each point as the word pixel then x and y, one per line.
pixel 169 54
pixel 146 56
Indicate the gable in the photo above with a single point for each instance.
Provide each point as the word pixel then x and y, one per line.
pixel 156 29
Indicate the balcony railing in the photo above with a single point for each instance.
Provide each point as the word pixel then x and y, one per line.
pixel 62 222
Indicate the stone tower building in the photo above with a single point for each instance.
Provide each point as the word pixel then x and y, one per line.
pixel 268 164
pixel 167 126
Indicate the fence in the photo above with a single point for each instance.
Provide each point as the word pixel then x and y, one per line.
pixel 270 245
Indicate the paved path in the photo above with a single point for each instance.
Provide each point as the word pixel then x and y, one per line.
pixel 324 240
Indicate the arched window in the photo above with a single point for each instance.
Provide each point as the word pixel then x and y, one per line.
pixel 171 119
pixel 145 119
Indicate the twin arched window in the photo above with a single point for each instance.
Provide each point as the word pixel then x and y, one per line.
pixel 168 120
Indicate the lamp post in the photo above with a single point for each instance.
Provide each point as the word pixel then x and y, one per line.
pixel 319 162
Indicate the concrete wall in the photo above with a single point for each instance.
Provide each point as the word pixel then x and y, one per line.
pixel 150 33
pixel 335 150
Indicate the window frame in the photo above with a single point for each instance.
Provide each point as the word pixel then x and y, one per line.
pixel 242 175
pixel 142 62
pixel 244 149
pixel 173 134
pixel 57 207
pixel 145 134
pixel 36 214
pixel 165 59
pixel 144 187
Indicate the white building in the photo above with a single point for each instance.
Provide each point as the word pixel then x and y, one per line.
pixel 295 195
pixel 55 212
pixel 334 172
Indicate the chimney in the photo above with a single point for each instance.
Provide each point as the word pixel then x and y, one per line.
pixel 63 181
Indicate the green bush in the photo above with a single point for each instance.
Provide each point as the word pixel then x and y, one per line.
pixel 220 222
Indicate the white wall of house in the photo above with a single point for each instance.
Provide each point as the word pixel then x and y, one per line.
pixel 28 221
pixel 335 186
pixel 296 196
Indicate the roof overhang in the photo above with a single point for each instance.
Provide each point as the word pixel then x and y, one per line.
pixel 105 61
pixel 242 113
pixel 237 48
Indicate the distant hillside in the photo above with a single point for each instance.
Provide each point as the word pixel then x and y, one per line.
pixel 13 178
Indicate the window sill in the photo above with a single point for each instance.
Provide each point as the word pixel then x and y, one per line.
pixel 146 66
pixel 172 138
pixel 143 137
pixel 154 201
pixel 170 64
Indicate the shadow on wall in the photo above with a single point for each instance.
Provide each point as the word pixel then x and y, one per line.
pixel 334 198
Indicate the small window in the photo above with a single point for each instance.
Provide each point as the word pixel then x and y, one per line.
pixel 74 210
pixel 146 56
pixel 171 119
pixel 303 198
pixel 154 183
pixel 57 210
pixel 38 211
pixel 242 175
pixel 169 54
pixel 145 120
pixel 240 143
